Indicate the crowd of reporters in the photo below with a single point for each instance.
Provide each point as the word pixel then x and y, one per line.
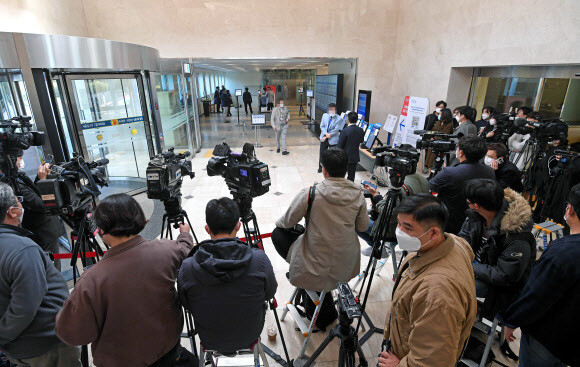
pixel 466 232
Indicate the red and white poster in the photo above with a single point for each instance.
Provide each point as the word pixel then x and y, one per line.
pixel 412 118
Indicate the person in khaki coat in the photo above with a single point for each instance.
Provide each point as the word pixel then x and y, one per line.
pixel 329 251
pixel 433 305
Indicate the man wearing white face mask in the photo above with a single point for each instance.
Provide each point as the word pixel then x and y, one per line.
pixel 433 304
pixel 486 114
pixel 547 307
pixel 330 125
pixel 279 120
pixel 432 118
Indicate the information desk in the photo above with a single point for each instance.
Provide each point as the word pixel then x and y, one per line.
pixel 367 160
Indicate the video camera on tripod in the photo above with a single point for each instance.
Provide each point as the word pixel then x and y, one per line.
pixel 401 161
pixel 436 141
pixel 72 186
pixel 545 131
pixel 11 142
pixel 245 175
pixel 347 302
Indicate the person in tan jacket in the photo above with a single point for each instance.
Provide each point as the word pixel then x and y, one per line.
pixel 329 251
pixel 433 304
pixel 126 305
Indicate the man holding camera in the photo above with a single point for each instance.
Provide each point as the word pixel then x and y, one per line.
pixel 279 120
pixel 32 292
pixel 433 304
pixel 329 251
pixel 499 228
pixel 46 229
pixel 330 126
pixel 225 274
pixel 448 184
pixel 126 305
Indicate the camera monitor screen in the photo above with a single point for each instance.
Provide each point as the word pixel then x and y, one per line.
pixel 238 92
pixel 363 124
pixel 368 131
pixel 370 141
pixel 309 93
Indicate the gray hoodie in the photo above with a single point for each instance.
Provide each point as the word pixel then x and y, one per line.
pixel 32 292
pixel 329 251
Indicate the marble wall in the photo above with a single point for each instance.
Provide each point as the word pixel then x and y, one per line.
pixel 43 16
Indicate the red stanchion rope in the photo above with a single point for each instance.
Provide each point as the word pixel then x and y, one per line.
pixel 68 255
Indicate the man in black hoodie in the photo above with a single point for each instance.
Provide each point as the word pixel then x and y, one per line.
pixel 225 284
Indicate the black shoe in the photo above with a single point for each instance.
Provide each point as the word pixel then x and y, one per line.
pixel 226 122
pixel 285 153
pixel 320 170
pixel 278 150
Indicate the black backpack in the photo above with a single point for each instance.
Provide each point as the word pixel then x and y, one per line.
pixel 327 313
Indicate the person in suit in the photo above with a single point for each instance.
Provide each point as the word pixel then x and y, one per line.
pixel 330 125
pixel 217 99
pixel 350 139
pixel 247 97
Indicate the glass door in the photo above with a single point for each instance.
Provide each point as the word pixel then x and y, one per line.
pixel 111 123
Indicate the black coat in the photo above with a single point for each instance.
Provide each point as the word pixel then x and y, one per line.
pixel 46 229
pixel 509 176
pixel 504 252
pixel 350 139
pixel 247 97
pixel 547 307
pixel 225 284
pixel 448 184
pixel 430 121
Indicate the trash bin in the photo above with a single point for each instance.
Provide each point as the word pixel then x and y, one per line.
pixel 206 108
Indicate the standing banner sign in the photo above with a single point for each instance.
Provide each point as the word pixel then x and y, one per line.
pixel 412 118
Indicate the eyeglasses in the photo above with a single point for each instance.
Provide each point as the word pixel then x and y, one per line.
pixel 20 199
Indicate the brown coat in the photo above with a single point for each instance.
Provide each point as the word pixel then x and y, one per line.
pixel 442 128
pixel 329 252
pixel 126 305
pixel 434 305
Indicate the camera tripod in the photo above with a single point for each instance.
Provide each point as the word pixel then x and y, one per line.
pixel 254 239
pixel 349 344
pixel 393 198
pixel 438 163
pixel 174 215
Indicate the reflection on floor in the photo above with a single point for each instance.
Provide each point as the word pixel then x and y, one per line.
pixel 215 131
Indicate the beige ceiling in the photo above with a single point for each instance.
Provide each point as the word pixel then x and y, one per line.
pixel 262 64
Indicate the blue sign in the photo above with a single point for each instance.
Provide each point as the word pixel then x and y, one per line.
pixel 113 122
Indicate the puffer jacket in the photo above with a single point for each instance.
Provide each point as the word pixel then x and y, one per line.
pixel 329 251
pixel 505 251
pixel 434 305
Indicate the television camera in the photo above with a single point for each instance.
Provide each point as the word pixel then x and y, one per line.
pixel 165 174
pixel 400 161
pixel 436 141
pixel 13 141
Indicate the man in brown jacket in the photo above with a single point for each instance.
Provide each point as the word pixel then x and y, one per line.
pixel 329 251
pixel 126 305
pixel 433 305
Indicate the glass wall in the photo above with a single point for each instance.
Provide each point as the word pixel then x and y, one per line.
pixel 172 110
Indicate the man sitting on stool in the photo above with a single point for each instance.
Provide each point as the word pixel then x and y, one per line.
pixel 225 283
pixel 279 120
pixel 329 251
pixel 498 227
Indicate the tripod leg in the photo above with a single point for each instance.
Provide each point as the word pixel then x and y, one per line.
pixel 281 333
pixel 331 335
pixel 192 231
pixel 394 258
pixel 361 357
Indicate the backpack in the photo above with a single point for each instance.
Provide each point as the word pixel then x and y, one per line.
pixel 327 313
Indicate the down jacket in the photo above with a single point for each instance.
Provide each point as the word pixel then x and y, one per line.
pixel 329 251
pixel 504 252
pixel 434 305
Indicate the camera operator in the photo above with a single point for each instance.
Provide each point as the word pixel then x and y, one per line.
pixel 547 307
pixel 329 251
pixel 499 228
pixel 414 184
pixel 432 118
pixel 32 291
pixel 225 274
pixel 517 141
pixel 126 305
pixel 506 173
pixel 434 304
pixel 448 184
pixel 46 229
pixel 486 114
pixel 494 130
pixel 444 125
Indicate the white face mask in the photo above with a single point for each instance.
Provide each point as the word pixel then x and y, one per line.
pixel 21 213
pixel 439 117
pixel 331 112
pixel 409 243
pixel 21 165
pixel 566 216
pixel 492 122
pixel 438 110
pixel 458 118
pixel 281 105
pixel 484 116
pixel 488 160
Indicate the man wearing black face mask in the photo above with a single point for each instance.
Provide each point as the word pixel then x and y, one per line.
pixel 547 307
